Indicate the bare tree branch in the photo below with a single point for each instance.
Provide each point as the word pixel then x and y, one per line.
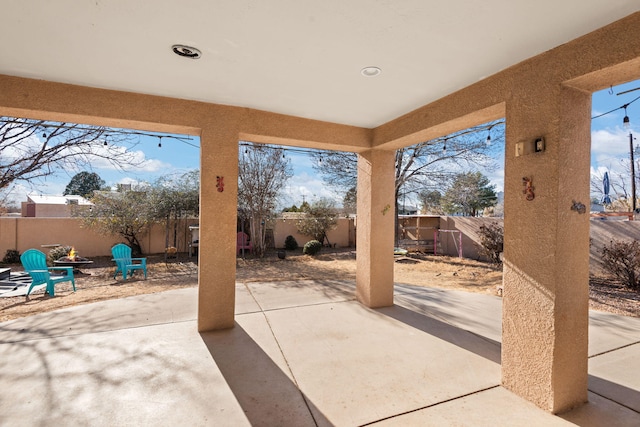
pixel 427 165
pixel 32 149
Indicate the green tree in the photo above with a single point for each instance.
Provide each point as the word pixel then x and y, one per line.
pixel 84 184
pixel 350 201
pixel 321 217
pixel 128 214
pixel 469 193
pixel 173 198
pixel 304 207
pixel 431 202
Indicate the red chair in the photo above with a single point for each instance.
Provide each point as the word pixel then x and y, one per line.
pixel 243 243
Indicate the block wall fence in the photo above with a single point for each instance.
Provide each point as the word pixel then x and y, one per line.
pixel 26 233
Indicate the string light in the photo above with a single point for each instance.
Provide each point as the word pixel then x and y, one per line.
pixel 79 127
pixel 625 121
pixel 159 142
pixel 292 149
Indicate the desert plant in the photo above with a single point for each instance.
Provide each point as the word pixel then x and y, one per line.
pixel 320 218
pixel 312 247
pixel 59 252
pixel 621 259
pixel 492 241
pixel 11 257
pixel 290 243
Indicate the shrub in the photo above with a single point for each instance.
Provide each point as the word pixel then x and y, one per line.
pixel 11 257
pixel 492 241
pixel 621 259
pixel 59 252
pixel 312 247
pixel 290 243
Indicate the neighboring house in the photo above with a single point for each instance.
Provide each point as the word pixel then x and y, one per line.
pixel 42 206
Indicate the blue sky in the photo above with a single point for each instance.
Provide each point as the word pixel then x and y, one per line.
pixel 610 151
pixel 174 157
pixel 609 139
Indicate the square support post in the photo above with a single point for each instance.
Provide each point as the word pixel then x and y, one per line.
pixel 546 268
pixel 375 228
pixel 218 223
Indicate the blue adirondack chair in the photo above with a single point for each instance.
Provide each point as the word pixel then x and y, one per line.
pixel 125 264
pixel 35 263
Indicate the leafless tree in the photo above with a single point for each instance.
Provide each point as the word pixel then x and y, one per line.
pixel 33 149
pixel 263 173
pixel 427 166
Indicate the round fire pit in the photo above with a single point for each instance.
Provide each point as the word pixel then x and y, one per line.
pixel 75 263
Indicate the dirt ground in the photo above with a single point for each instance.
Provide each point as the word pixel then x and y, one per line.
pixel 96 283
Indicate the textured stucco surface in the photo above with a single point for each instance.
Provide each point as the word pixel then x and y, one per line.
pixel 546 243
pixel 374 228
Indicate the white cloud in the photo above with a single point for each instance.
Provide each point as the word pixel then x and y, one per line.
pixel 496 178
pixel 18 192
pixel 309 186
pixel 607 143
pixel 610 153
pixel 136 157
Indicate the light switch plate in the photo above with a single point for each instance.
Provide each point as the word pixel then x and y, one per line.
pixel 519 149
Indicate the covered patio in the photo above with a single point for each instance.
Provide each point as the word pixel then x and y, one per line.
pixel 536 67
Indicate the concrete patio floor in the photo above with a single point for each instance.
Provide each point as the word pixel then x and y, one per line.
pixel 302 353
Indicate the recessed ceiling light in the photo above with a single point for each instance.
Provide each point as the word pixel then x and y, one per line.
pixel 370 71
pixel 186 51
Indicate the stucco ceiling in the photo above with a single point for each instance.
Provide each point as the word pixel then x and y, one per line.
pixel 295 57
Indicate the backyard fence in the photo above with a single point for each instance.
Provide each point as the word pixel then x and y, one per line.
pixel 44 233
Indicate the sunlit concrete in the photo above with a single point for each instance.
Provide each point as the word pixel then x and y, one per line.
pixel 301 353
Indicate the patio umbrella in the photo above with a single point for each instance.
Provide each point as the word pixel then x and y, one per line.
pixel 605 183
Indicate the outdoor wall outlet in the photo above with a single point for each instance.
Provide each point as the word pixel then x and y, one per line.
pixel 519 149
pixel 539 145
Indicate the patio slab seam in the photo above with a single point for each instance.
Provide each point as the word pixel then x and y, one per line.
pixel 452 399
pixel 284 357
pixel 602 353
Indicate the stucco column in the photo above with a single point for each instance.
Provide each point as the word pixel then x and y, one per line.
pixel 218 218
pixel 546 266
pixel 374 228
